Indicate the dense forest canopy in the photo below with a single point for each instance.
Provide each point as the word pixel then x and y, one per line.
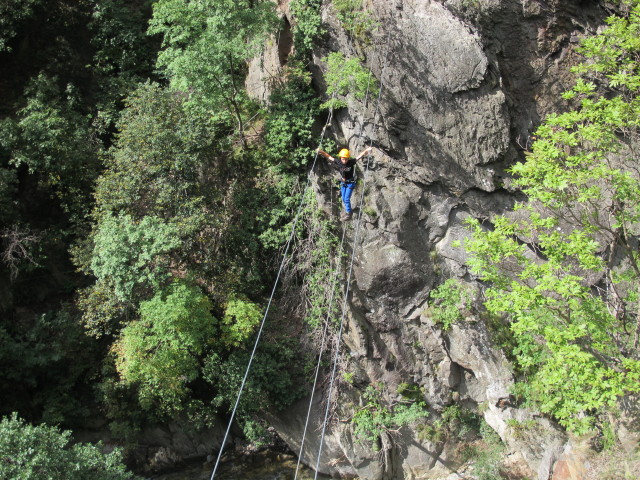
pixel 139 223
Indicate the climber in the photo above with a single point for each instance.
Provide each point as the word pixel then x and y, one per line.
pixel 346 166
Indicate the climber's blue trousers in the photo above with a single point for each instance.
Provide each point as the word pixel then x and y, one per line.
pixel 346 189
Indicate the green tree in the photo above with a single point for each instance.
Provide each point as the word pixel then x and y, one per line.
pixel 53 139
pixel 307 26
pixel 293 108
pixel 241 317
pixel 45 362
pixel 103 312
pixel 274 380
pixel 565 269
pixel 206 47
pixel 74 58
pixel 123 56
pixel 160 351
pixel 158 153
pixel 377 418
pixel 35 452
pixel 132 254
pixel 447 302
pixel 13 13
pixel 170 163
pixel 357 21
pixel 347 77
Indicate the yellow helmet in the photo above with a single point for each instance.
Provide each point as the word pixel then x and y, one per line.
pixel 344 153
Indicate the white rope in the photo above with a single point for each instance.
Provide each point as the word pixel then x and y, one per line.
pixel 327 322
pixel 273 290
pixel 347 287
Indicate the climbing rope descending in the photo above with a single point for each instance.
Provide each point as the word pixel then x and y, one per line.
pixel 273 290
pixel 327 322
pixel 327 319
pixel 280 270
pixel 348 284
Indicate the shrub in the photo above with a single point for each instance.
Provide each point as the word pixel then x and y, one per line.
pixel 347 77
pixel 36 452
pixel 447 301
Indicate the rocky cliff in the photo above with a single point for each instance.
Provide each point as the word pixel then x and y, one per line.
pixel 464 84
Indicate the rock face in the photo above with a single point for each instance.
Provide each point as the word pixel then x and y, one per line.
pixel 464 84
pixel 160 447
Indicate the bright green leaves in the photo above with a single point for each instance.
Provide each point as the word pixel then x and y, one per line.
pixel 573 382
pixel 133 254
pixel 354 18
pixel 447 301
pixel 614 51
pixel 308 24
pixel 562 330
pixel 206 46
pixel 160 351
pixel 35 452
pixel 241 317
pixel 347 77
pixel 376 417
pixel 563 267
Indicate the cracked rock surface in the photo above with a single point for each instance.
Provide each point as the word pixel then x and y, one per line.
pixel 464 86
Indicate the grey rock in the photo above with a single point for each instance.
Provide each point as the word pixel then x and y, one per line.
pixel 463 86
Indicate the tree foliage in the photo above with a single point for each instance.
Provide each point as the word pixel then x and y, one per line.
pixel 448 301
pixel 206 46
pixel 35 452
pixel 59 76
pixel 171 164
pixel 347 77
pixel 45 361
pixel 12 15
pixel 153 166
pixel 149 186
pixel 564 267
pixel 308 24
pixel 134 254
pixel 160 351
pixel 123 56
pixel 377 417
pixel 355 19
pixel 274 379
pixel 53 139
pixel 293 107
